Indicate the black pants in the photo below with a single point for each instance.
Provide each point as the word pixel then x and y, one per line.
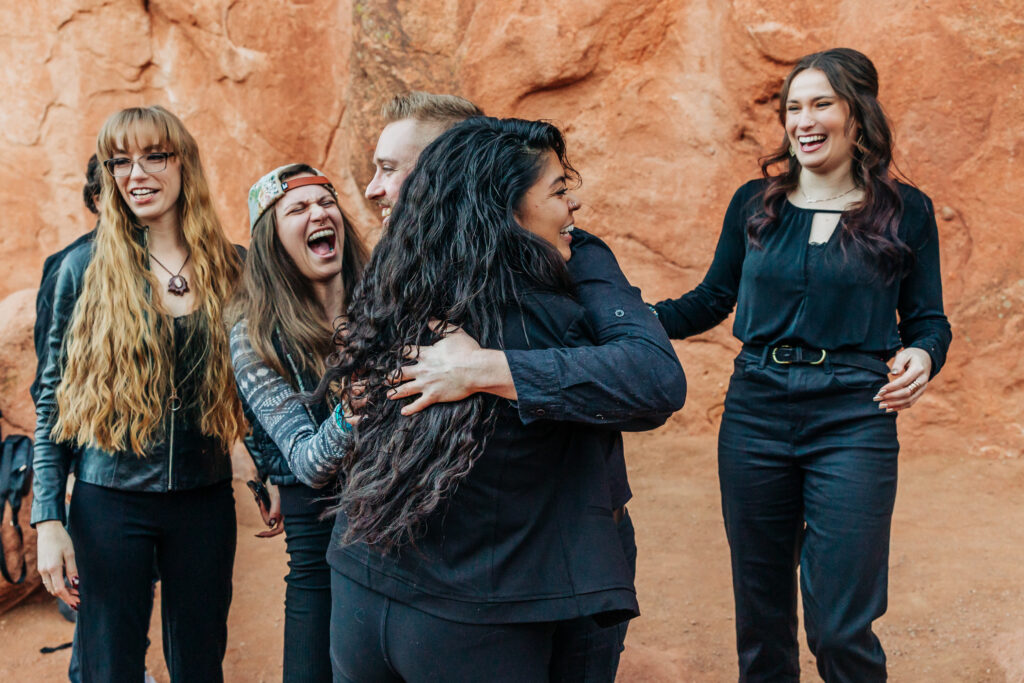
pixel 582 651
pixel 116 534
pixel 307 597
pixel 807 466
pixel 377 640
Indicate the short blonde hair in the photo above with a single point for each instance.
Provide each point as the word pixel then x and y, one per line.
pixel 446 110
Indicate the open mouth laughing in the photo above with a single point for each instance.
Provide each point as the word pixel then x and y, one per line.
pixel 322 242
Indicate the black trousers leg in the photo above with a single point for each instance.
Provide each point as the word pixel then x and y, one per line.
pixel 762 503
pixel 114 537
pixel 195 556
pixel 307 602
pixel 844 565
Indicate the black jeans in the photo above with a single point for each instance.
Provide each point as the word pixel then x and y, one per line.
pixel 807 467
pixel 116 534
pixel 307 597
pixel 377 640
pixel 584 652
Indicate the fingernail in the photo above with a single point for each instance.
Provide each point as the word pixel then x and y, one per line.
pixel 883 405
pixel 878 397
pixel 890 410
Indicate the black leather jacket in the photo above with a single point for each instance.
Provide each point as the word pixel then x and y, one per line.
pixel 269 461
pixel 183 459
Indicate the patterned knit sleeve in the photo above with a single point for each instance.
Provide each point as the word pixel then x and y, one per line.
pixel 313 452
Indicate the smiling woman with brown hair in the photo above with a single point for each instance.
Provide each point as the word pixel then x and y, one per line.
pixel 834 268
pixel 304 260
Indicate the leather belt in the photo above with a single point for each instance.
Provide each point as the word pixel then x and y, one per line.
pixel 785 354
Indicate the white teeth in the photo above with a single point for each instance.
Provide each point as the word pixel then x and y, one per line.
pixel 142 192
pixel 808 139
pixel 385 212
pixel 319 234
pixel 566 230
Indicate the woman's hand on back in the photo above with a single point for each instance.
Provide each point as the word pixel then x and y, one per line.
pixel 913 369
pixel 55 558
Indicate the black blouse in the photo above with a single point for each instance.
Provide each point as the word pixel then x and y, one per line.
pixel 821 296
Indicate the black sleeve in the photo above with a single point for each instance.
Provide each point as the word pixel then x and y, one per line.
pixel 631 380
pixel 714 298
pixel 44 309
pixel 922 322
pixel 51 460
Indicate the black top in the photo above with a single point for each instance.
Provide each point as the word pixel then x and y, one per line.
pixel 630 380
pixel 528 535
pixel 822 296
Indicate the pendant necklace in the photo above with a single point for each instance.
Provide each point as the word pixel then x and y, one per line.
pixel 177 285
pixel 826 199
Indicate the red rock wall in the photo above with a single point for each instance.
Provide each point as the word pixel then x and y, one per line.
pixel 667 105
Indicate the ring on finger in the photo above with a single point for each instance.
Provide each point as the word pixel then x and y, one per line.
pixel 914 386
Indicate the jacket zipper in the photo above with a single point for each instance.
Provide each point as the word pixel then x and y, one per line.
pixel 170 454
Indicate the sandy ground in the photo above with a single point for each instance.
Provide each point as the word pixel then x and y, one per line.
pixel 956 580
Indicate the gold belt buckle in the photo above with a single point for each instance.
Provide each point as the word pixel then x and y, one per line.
pixel 776 358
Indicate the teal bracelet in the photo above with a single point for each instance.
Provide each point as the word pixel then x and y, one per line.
pixel 339 419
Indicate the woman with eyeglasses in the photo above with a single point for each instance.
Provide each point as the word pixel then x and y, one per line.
pixel 833 266
pixel 138 399
pixel 303 263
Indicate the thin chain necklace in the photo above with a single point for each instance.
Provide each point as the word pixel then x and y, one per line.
pixel 826 199
pixel 177 285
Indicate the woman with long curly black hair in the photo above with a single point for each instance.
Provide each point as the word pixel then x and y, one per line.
pixel 834 266
pixel 464 536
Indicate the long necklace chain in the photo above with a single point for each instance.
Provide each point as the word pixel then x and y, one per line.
pixel 826 199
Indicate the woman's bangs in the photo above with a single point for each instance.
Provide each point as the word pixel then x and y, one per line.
pixel 140 129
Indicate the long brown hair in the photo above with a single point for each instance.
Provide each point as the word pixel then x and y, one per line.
pixel 275 296
pixel 120 347
pixel 873 222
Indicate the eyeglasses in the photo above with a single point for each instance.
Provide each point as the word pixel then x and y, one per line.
pixel 154 162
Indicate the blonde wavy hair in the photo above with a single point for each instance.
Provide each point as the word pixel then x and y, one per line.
pixel 119 349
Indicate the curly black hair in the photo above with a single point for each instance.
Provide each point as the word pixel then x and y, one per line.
pixel 453 252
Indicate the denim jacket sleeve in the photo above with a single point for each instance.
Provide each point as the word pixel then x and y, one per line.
pixel 313 452
pixel 52 460
pixel 630 381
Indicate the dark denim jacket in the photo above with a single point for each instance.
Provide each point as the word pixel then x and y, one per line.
pixel 184 459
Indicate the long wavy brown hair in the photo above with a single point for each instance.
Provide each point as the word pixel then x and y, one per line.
pixel 119 348
pixel 276 296
pixel 871 223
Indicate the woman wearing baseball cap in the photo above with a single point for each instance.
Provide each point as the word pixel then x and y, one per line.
pixel 303 263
